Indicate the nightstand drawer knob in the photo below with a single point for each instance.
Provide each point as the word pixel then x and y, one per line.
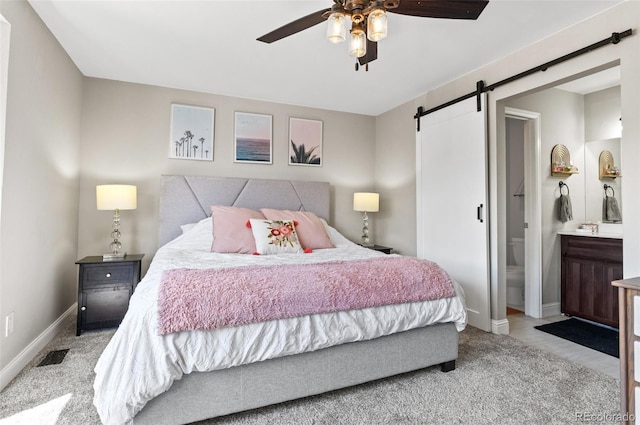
pixel 83 308
pixel 108 274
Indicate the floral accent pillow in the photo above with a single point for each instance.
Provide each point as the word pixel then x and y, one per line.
pixel 311 231
pixel 275 236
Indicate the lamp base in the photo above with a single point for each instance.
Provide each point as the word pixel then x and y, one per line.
pixel 365 231
pixel 114 257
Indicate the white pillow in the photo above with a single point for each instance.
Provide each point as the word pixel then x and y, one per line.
pixel 186 227
pixel 275 236
pixel 337 238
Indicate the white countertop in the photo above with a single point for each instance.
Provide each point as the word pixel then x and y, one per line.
pixel 591 235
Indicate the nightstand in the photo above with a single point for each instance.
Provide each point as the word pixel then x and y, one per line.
pixel 104 289
pixel 380 248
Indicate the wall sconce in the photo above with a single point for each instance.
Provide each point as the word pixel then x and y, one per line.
pixel 116 197
pixel 366 202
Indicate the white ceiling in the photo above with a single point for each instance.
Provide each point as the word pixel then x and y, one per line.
pixel 210 46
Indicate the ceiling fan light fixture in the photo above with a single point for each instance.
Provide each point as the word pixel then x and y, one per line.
pixel 357 41
pixel 336 27
pixel 377 24
pixel 369 21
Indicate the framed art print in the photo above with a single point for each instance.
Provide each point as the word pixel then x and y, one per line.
pixel 253 138
pixel 191 132
pixel 305 142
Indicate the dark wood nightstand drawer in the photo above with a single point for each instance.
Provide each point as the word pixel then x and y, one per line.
pixel 109 274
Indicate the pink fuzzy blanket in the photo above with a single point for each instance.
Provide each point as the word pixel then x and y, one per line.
pixel 192 299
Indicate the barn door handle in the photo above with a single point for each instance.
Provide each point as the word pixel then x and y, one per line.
pixel 480 213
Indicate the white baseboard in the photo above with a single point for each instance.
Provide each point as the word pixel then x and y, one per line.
pixel 551 309
pixel 14 367
pixel 500 327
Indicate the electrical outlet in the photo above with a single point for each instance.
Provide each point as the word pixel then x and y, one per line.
pixel 8 324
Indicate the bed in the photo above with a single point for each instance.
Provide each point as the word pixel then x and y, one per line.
pixel 187 376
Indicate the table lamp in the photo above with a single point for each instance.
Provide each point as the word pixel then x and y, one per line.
pixel 116 197
pixel 366 202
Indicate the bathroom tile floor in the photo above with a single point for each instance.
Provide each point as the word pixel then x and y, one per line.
pixel 522 327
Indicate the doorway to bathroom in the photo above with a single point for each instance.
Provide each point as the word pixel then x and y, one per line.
pixel 523 218
pixel 515 135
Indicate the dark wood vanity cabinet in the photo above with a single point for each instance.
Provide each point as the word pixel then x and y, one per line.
pixel 589 265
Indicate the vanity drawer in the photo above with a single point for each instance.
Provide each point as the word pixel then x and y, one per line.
pixel 592 248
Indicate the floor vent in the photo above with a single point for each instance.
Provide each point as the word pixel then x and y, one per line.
pixel 53 357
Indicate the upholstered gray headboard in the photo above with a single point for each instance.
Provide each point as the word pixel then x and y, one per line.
pixel 187 199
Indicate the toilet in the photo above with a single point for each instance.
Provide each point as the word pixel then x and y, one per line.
pixel 515 274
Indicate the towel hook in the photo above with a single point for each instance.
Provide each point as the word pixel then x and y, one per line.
pixel 613 192
pixel 561 184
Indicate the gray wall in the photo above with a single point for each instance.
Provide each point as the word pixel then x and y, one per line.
pixel 125 139
pixel 40 189
pixel 396 178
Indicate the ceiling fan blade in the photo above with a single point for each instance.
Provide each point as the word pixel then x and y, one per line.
pixel 451 9
pixel 293 27
pixel 372 53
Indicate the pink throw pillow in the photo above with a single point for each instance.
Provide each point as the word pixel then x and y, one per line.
pixel 230 231
pixel 311 231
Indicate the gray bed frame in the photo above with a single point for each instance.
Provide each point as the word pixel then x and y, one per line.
pixel 202 395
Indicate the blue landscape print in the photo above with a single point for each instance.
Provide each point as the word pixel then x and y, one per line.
pixel 253 138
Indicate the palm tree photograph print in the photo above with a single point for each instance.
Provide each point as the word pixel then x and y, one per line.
pixel 191 132
pixel 305 142
pixel 253 141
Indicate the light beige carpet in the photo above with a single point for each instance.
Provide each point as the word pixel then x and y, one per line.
pixel 498 380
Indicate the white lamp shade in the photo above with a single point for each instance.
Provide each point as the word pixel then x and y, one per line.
pixel 116 197
pixel 366 201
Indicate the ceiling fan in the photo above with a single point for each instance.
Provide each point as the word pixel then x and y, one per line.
pixel 369 21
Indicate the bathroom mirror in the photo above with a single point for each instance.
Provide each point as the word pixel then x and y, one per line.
pixel 602 112
pixel 594 186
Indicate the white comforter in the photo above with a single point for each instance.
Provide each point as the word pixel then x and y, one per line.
pixel 138 364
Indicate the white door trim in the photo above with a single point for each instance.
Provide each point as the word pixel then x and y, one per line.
pixel 533 211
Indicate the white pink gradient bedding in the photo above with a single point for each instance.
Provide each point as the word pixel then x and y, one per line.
pixel 138 364
pixel 197 299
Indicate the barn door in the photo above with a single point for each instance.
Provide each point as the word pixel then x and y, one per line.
pixel 451 182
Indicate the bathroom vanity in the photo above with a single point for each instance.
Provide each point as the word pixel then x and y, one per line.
pixel 590 262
